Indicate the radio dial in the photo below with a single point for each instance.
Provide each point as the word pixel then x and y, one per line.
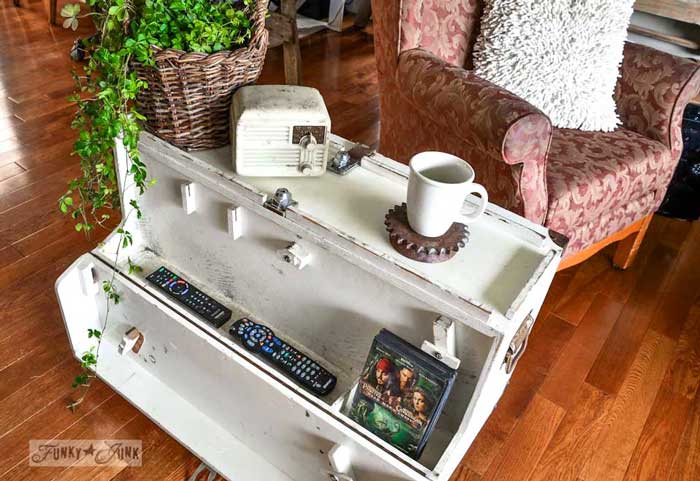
pixel 305 169
pixel 308 141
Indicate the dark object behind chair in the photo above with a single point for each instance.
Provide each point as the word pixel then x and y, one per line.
pixel 682 199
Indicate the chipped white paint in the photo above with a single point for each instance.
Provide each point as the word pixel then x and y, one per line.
pixel 240 415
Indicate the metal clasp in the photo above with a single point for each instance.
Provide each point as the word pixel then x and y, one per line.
pixel 518 344
pixel 280 201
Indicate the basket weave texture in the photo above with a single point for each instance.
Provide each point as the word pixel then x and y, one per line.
pixel 189 94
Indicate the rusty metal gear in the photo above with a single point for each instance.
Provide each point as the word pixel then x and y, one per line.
pixel 410 244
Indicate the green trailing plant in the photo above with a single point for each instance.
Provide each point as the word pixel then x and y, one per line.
pixel 105 96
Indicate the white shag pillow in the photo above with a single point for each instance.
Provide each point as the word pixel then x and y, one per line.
pixel 562 56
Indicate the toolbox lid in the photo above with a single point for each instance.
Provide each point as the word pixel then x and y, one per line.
pixel 503 261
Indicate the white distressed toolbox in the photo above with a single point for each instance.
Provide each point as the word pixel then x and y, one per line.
pixel 229 407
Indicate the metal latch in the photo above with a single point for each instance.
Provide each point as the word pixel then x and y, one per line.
pixel 280 201
pixel 346 160
pixel 518 344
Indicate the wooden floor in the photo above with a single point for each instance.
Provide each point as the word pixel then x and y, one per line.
pixel 607 391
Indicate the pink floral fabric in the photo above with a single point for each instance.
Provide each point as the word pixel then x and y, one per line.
pixel 492 121
pixel 587 185
pixel 652 93
pixel 592 173
pixel 447 28
pixel 582 236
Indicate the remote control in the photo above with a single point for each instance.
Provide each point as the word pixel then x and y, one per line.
pixel 260 339
pixel 190 296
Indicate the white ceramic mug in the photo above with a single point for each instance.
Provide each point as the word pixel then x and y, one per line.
pixel 437 187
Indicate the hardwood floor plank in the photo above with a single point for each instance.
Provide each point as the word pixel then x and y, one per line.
pixel 676 233
pixel 8 255
pixel 463 473
pixel 47 424
pixel 558 288
pixel 29 218
pixel 576 437
pixel 684 371
pixel 139 428
pixel 32 365
pixel 47 160
pixel 31 334
pixel 527 443
pixel 686 462
pixel 24 403
pixel 52 186
pixel 623 425
pixel 681 289
pixel 61 252
pixel 10 170
pixel 571 368
pixel 30 287
pixel 620 285
pixel 166 458
pixel 548 338
pixel 47 156
pixel 101 423
pixel 44 236
pixel 610 368
pixel 582 289
pixel 658 442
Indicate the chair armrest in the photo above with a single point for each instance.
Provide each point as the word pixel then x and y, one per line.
pixel 473 109
pixel 653 91
pixel 504 137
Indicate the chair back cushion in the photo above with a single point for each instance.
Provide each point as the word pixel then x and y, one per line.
pixel 447 28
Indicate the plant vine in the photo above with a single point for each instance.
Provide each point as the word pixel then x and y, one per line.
pixel 105 96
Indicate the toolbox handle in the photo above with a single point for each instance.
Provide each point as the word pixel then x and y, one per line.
pixel 518 344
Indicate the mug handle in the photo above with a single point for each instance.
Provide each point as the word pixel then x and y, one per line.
pixel 477 189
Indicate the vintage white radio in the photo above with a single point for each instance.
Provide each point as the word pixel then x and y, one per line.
pixel 279 131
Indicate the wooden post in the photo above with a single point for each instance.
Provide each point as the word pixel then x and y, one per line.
pixel 52 11
pixel 291 51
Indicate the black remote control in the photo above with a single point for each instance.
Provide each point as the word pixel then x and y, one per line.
pixel 260 339
pixel 190 296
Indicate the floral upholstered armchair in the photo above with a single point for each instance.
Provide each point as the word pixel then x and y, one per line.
pixel 594 187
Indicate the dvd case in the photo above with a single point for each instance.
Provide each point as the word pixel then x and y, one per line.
pixel 401 393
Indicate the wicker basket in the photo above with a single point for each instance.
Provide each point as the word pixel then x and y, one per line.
pixel 189 94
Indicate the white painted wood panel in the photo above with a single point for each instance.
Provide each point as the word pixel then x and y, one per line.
pixel 352 286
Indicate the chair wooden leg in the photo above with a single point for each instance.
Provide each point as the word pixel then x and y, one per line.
pixel 627 248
